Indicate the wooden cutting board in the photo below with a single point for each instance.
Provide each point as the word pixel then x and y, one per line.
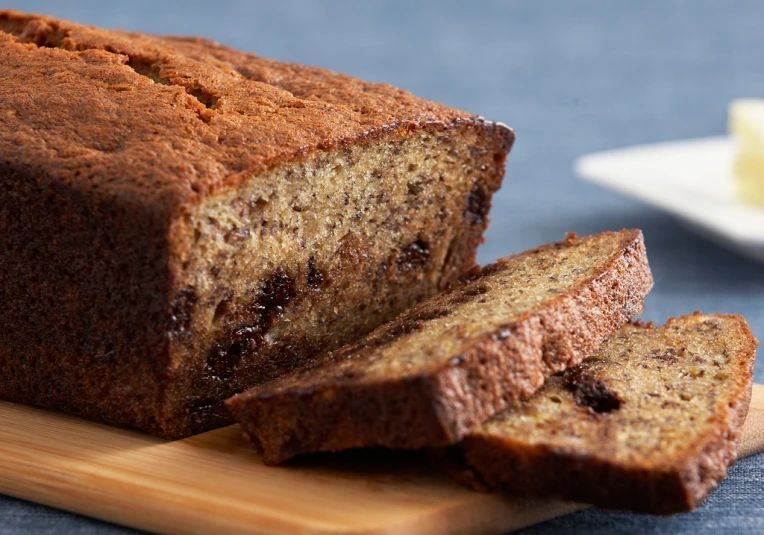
pixel 214 483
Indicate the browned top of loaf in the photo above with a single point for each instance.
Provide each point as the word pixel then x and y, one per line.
pixel 177 116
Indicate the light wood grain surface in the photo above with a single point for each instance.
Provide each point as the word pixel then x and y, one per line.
pixel 214 483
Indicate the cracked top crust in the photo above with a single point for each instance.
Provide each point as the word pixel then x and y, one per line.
pixel 184 115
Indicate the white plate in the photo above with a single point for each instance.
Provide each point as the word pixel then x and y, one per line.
pixel 690 179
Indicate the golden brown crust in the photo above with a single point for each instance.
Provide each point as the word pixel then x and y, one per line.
pixel 586 454
pixel 339 403
pixel 200 116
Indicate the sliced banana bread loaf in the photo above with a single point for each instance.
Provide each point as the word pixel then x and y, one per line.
pixel 447 364
pixel 180 221
pixel 649 423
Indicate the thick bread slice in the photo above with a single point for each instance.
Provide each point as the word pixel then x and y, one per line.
pixel 444 366
pixel 649 423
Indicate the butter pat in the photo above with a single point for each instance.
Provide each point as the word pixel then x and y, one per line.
pixel 746 124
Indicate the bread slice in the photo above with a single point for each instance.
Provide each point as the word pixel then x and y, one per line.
pixel 180 221
pixel 429 376
pixel 649 423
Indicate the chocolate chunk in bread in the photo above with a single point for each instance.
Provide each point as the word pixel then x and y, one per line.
pixel 649 423
pixel 180 221
pixel 447 364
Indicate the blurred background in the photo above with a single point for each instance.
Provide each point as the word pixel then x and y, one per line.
pixel 570 78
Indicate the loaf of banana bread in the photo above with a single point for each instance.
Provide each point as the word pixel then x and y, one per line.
pixel 649 423
pixel 447 364
pixel 180 221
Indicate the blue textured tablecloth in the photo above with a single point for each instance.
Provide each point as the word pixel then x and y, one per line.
pixel 571 77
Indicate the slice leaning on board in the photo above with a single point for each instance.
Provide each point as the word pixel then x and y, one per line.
pixel 650 422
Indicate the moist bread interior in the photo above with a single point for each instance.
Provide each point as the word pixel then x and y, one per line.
pixel 321 252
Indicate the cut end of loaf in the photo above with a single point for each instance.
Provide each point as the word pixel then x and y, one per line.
pixel 320 252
